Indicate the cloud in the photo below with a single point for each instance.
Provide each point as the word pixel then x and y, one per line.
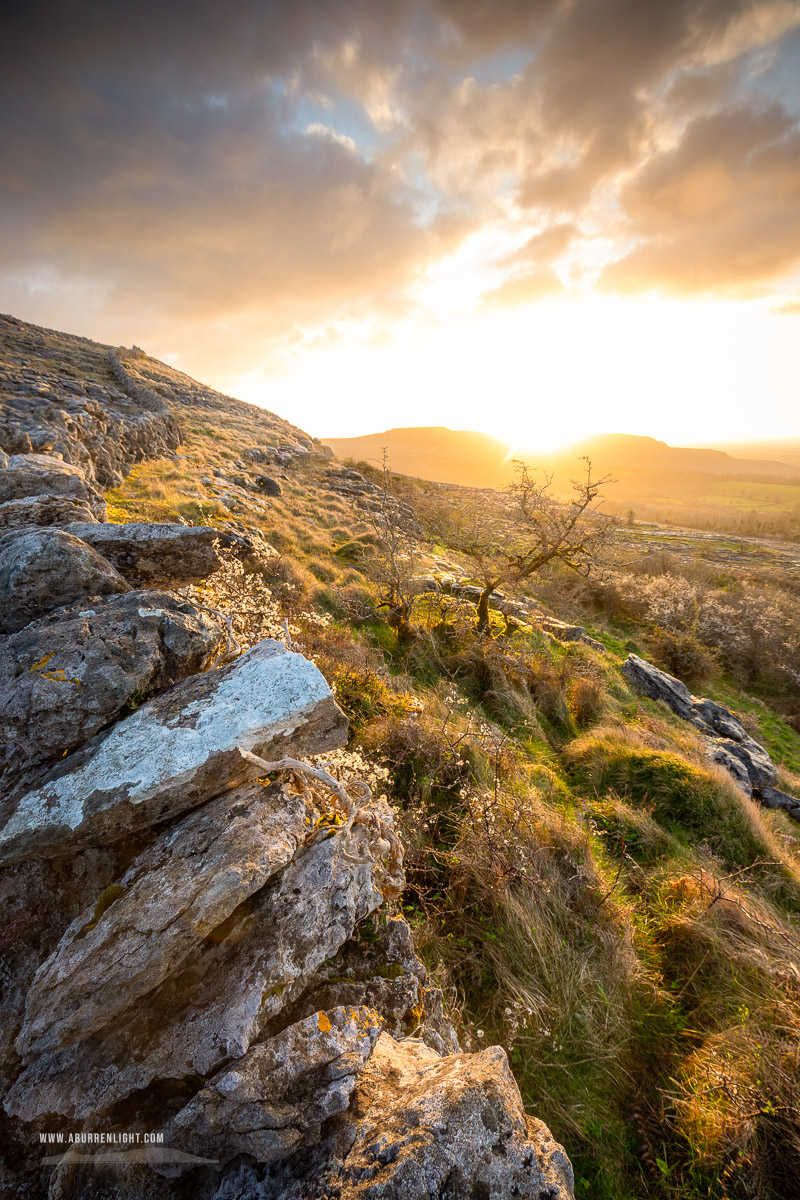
pixel 719 211
pixel 261 167
pixel 545 246
pixel 524 289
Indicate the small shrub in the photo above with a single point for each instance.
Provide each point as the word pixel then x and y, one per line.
pixel 684 655
pixel 586 700
pixel 363 694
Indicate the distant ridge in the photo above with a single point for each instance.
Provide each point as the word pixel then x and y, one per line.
pixel 479 460
pixel 627 451
pixel 433 452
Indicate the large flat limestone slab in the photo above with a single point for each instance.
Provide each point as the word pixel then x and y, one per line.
pixel 220 999
pixel 151 554
pixel 171 897
pixel 178 750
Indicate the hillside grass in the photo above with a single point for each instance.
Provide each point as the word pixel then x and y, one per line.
pixel 588 893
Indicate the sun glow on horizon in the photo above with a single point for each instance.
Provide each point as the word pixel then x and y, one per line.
pixel 546 375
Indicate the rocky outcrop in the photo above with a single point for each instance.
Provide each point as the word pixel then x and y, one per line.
pixel 199 935
pixel 43 569
pixel 80 415
pixel 43 510
pixel 274 1101
pixel 117 951
pixel 238 981
pixel 383 973
pixel 728 743
pixel 167 555
pixel 176 751
pixel 67 676
pixel 28 475
pixel 658 685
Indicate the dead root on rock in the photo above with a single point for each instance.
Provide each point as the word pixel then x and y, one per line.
pixel 360 810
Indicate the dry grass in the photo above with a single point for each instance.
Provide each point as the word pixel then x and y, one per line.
pixel 588 891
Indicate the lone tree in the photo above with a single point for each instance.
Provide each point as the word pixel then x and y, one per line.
pixel 508 544
pixel 394 565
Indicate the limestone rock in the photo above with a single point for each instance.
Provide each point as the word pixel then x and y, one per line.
pixel 382 972
pixel 239 978
pixel 730 744
pixel 177 750
pixel 719 753
pixel 268 485
pixel 66 676
pixel 38 898
pixel 719 719
pixel 427 1127
pixel 43 510
pixel 658 685
pixel 42 475
pixel 273 1100
pixel 773 798
pixel 172 896
pixel 166 555
pixel 43 569
pixel 754 758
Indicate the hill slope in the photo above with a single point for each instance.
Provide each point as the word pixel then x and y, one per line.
pixel 587 885
pixel 432 452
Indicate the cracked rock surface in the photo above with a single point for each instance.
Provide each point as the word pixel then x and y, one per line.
pixel 176 751
pixel 43 569
pixel 64 677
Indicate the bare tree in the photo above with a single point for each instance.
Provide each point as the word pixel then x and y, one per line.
pixel 395 561
pixel 507 543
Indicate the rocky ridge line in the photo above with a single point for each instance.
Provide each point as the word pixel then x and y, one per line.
pixel 190 944
pixel 728 744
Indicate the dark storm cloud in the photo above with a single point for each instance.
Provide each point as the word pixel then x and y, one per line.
pixel 307 161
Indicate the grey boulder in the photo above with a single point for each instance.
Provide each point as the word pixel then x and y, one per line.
pixel 44 569
pixel 273 1100
pixel 66 676
pixel 29 475
pixel 430 1126
pixel 170 555
pixel 729 744
pixel 268 485
pixel 774 798
pixel 658 685
pixel 179 749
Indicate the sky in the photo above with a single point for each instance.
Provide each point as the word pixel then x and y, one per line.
pixel 542 219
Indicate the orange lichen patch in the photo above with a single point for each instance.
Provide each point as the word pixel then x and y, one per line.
pixel 60 677
pixel 42 662
pixel 323 1023
pixel 56 675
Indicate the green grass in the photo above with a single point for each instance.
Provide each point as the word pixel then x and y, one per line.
pixel 593 898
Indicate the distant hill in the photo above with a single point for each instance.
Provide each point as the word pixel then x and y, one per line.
pixel 433 452
pixel 629 452
pixel 787 451
pixel 467 457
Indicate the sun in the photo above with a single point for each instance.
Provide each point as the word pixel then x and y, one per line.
pixel 540 377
